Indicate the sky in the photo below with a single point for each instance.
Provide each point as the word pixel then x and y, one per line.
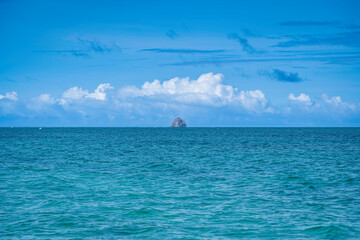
pixel 212 63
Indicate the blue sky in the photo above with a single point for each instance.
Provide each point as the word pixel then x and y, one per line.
pixel 213 63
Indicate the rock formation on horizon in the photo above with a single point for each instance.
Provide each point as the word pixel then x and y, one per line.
pixel 178 122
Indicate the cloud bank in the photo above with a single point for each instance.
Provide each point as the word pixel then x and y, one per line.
pixel 205 101
pixel 208 90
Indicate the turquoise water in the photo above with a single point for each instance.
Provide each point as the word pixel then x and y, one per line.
pixel 191 183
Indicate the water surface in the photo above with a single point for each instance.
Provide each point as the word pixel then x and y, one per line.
pixel 191 183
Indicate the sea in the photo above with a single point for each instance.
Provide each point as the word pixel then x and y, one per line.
pixel 179 183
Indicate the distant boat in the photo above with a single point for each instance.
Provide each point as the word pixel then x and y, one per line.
pixel 40 128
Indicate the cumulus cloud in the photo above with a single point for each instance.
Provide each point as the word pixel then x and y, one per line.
pixel 205 101
pixel 328 107
pixel 41 102
pixel 302 98
pixel 208 90
pixel 9 95
pixel 99 93
pixel 45 98
pixel 337 103
pixel 77 93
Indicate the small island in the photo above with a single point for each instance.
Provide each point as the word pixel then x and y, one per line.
pixel 178 122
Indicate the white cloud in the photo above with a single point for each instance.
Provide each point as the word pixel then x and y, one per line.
pixel 205 101
pixel 41 102
pixel 302 98
pixel 330 106
pixel 99 93
pixel 337 103
pixel 253 101
pixel 76 93
pixel 45 98
pixel 9 95
pixel 208 89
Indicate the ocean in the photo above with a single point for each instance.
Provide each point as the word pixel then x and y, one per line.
pixel 180 183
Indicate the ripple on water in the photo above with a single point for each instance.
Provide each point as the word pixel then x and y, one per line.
pixel 160 183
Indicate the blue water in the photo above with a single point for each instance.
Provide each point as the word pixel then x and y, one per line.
pixel 191 183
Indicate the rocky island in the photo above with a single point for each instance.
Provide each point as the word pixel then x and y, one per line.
pixel 178 122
